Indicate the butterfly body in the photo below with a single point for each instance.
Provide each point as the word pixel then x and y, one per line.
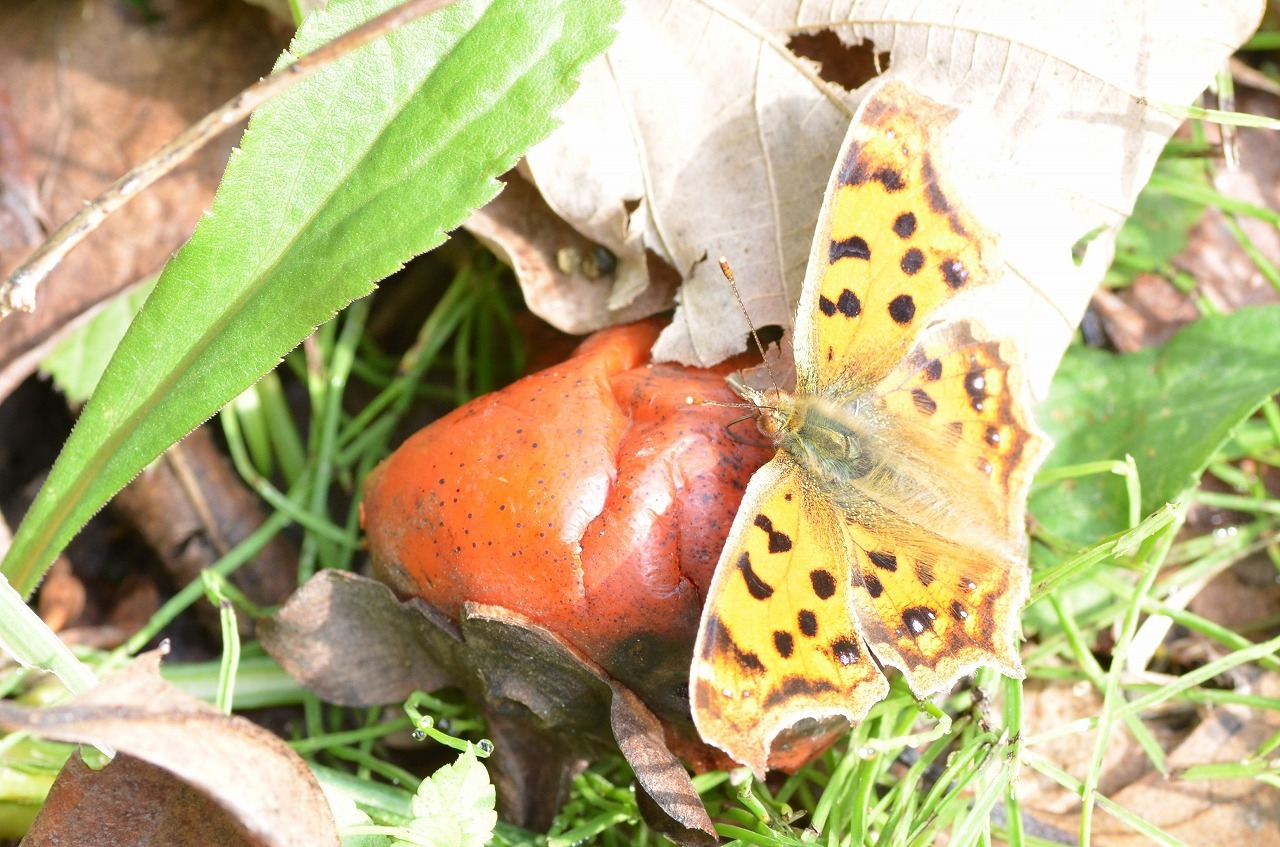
pixel 888 529
pixel 821 436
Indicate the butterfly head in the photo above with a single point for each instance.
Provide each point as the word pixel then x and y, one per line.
pixel 774 407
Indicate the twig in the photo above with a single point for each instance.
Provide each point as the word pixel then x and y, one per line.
pixel 18 292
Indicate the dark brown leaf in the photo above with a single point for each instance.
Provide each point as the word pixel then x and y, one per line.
pixel 191 507
pixel 350 641
pixel 94 94
pixel 549 709
pixel 248 771
pixel 131 803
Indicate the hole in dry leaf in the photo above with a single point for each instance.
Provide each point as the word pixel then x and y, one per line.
pixel 848 66
pixel 771 334
pixel 1081 247
pixel 661 273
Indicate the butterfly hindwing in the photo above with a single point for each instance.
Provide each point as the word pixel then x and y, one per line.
pixel 961 401
pixel 778 640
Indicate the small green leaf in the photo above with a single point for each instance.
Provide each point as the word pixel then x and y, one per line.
pixel 454 807
pixel 77 363
pixel 339 182
pixel 1170 407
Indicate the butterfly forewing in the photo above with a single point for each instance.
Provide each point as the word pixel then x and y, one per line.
pixel 891 247
pixel 778 641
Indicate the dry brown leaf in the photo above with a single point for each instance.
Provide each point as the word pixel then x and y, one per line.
pixel 96 89
pixel 1198 811
pixel 1053 705
pixel 131 803
pixel 549 709
pixel 1144 314
pixel 701 133
pixel 251 773
pixel 559 268
pixel 22 221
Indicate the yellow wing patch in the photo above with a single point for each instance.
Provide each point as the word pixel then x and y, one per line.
pixel 778 641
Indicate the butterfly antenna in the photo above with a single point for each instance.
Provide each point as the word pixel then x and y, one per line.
pixel 737 295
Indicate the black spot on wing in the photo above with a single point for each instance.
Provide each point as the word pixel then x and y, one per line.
pixel 904 226
pixel 845 651
pixel 853 247
pixel 779 542
pixel 874 587
pixel 824 584
pixel 918 619
pixel 902 309
pixel 846 304
pixel 718 639
pixel 975 385
pixel 925 404
pixel 882 560
pixel 924 573
pixel 933 370
pixel 756 587
pixel 859 172
pixel 912 261
pixel 955 273
pixel 937 199
pixel 783 643
pixel 797 686
pixel 808 622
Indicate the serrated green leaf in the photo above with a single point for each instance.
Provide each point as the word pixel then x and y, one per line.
pixel 454 807
pixel 1170 407
pixel 339 182
pixel 76 365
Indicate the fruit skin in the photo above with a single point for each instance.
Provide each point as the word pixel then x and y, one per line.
pixel 590 497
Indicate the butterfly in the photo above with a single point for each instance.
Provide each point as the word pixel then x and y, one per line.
pixel 888 530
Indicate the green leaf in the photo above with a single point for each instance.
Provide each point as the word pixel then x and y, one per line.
pixel 339 182
pixel 77 363
pixel 1171 408
pixel 1160 224
pixel 454 806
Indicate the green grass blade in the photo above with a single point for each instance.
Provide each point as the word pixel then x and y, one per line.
pixel 339 182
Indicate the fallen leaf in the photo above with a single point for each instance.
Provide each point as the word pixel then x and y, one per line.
pixel 550 710
pixel 131 803
pixel 248 771
pixel 560 268
pixel 22 220
pixel 702 133
pixel 1199 810
pixel 1144 314
pixel 95 92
